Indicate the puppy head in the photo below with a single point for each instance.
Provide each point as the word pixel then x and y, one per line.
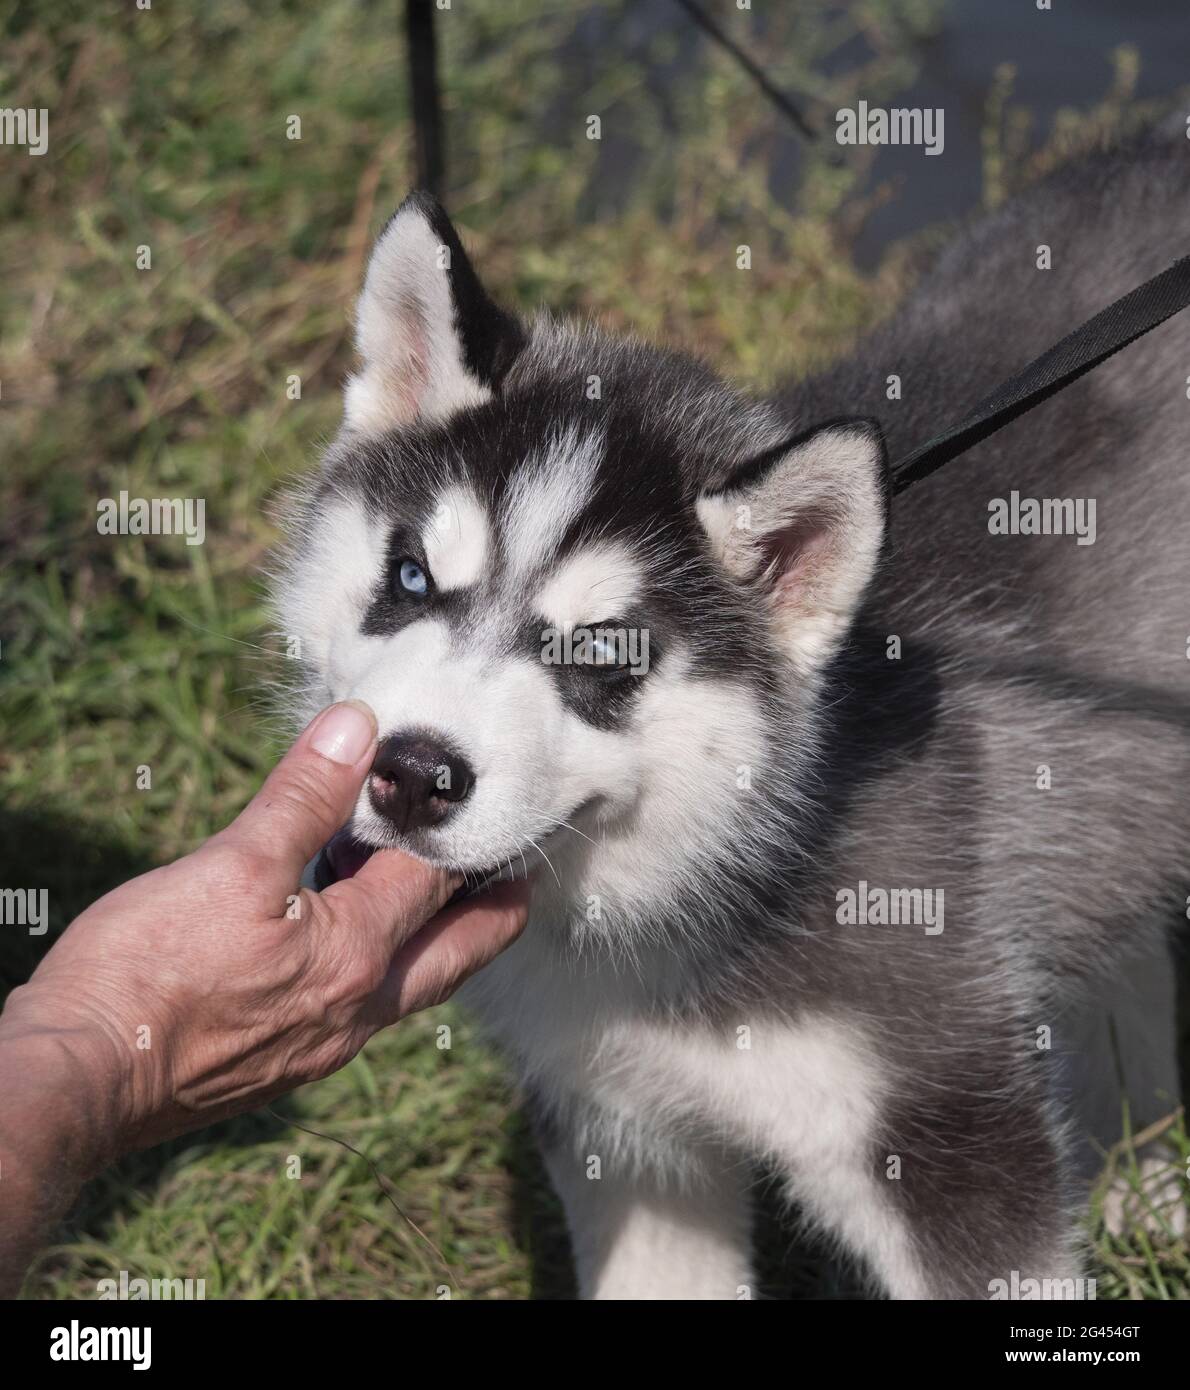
pixel 588 588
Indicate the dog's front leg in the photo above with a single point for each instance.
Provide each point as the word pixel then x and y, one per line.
pixel 683 1234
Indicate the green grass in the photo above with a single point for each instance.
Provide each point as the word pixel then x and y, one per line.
pixel 168 131
pixel 1144 1255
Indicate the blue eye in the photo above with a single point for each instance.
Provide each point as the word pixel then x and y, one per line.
pixel 604 653
pixel 413 577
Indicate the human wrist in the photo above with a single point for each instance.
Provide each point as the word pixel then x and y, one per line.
pixel 60 1088
pixel 56 1131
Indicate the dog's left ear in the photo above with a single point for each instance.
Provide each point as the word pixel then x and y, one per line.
pixel 805 523
pixel 431 340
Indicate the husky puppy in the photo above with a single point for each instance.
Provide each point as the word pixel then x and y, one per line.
pixel 832 808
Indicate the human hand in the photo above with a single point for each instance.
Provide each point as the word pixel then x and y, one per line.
pixel 214 984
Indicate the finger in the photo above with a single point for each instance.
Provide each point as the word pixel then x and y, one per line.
pixel 449 949
pixel 311 791
pixel 391 897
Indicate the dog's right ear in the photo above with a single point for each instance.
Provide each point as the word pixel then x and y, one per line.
pixel 431 340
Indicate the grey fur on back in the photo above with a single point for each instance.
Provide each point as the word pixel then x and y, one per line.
pixel 1117 608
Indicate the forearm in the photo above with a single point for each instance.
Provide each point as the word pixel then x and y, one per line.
pixel 57 1128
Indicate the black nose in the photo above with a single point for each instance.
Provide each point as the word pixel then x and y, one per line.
pixel 416 781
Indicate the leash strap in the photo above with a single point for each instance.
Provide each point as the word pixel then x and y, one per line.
pixel 1110 330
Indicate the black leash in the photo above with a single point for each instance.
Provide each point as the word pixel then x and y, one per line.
pixel 1113 328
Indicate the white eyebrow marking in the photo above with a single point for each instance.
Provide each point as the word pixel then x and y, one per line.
pixel 594 585
pixel 456 540
pixel 545 497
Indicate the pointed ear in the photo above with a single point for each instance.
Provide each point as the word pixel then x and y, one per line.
pixel 804 524
pixel 431 340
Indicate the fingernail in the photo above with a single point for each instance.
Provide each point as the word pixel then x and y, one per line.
pixel 344 733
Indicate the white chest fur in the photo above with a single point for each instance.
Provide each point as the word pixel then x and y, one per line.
pixel 648 1096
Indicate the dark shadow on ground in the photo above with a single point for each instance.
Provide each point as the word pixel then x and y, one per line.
pixel 538 1224
pixel 74 863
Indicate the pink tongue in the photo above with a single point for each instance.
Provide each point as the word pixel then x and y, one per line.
pixel 346 855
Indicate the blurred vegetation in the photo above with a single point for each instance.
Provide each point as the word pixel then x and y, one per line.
pixel 169 131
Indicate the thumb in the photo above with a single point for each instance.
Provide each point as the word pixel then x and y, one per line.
pixel 311 791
